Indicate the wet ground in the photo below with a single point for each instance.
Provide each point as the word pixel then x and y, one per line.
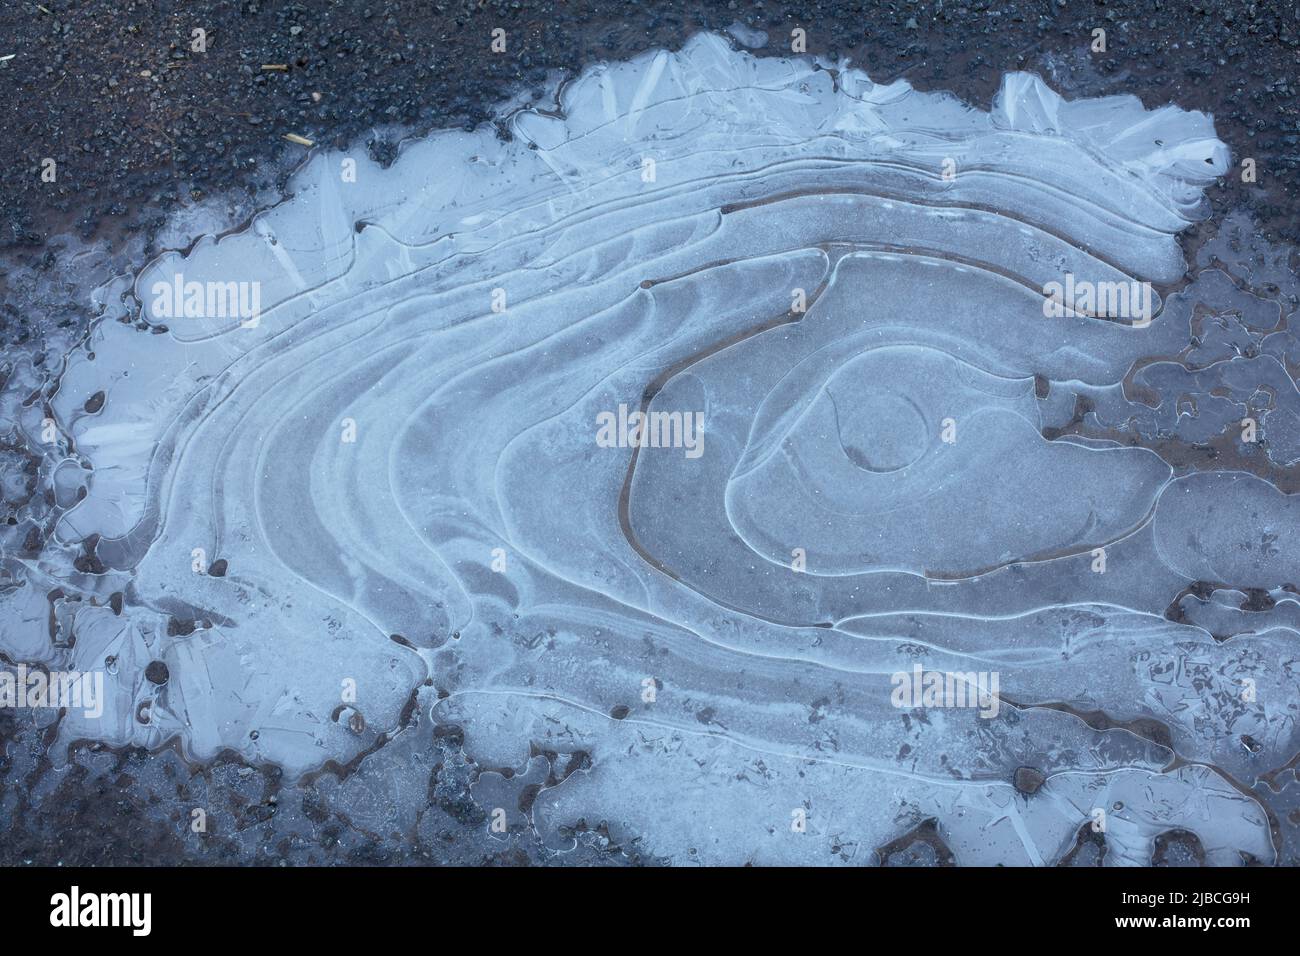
pixel 138 122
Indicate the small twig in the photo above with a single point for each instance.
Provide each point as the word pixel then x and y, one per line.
pixel 300 140
pixel 161 132
pixel 277 67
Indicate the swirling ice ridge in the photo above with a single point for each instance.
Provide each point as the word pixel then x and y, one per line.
pixel 409 475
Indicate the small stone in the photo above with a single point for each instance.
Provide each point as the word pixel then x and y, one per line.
pixel 1029 780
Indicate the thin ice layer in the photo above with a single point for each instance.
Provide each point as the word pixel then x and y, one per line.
pixel 396 461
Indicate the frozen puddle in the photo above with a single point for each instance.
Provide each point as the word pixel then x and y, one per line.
pixel 667 431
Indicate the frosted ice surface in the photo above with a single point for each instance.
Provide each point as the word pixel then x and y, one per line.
pixel 391 473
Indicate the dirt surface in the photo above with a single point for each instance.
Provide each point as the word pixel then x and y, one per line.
pixel 135 118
